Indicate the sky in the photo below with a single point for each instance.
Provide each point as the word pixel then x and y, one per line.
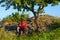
pixel 54 11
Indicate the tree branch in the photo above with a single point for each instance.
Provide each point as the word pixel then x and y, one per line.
pixel 40 8
pixel 26 7
pixel 30 10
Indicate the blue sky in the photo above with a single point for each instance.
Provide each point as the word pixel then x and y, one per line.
pixel 54 11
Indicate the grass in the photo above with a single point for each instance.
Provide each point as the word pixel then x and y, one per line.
pixel 49 35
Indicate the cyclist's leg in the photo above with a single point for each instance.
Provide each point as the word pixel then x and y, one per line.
pixel 18 31
pixel 25 29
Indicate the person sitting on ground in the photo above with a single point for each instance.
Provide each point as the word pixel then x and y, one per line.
pixel 22 27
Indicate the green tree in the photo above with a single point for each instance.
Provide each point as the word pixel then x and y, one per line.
pixel 15 17
pixel 29 5
pixel 24 16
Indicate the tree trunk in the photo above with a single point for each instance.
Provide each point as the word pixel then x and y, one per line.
pixel 35 20
pixel 36 16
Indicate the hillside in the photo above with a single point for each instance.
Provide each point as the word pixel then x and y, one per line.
pixel 45 22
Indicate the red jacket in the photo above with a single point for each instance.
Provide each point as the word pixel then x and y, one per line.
pixel 22 23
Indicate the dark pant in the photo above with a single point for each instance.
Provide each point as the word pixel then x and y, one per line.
pixel 20 30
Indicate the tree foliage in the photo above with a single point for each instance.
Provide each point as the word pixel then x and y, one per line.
pixel 15 17
pixel 27 4
pixel 24 16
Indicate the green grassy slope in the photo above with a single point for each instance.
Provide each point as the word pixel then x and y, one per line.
pixel 52 35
